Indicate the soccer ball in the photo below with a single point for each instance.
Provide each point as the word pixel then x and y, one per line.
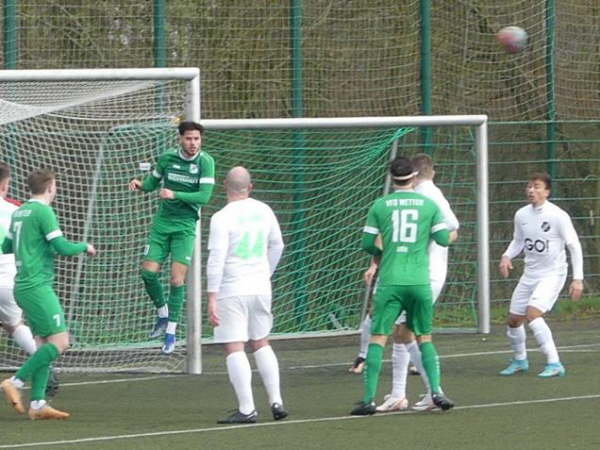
pixel 513 39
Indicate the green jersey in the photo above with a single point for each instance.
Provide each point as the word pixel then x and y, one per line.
pixel 406 222
pixel 33 227
pixel 192 180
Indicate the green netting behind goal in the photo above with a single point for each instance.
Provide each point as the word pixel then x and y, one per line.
pixel 321 183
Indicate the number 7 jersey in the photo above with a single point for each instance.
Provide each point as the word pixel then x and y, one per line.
pixel 406 221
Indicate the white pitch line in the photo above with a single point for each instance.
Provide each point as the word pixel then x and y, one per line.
pixel 289 422
pixel 572 348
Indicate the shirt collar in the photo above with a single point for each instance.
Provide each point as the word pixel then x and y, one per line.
pixel 37 200
pixel 186 158
pixel 540 208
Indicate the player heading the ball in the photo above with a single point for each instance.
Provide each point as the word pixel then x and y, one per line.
pixel 187 177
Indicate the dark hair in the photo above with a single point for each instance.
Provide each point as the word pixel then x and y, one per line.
pixel 399 168
pixel 543 177
pixel 423 164
pixel 39 180
pixel 188 125
pixel 4 171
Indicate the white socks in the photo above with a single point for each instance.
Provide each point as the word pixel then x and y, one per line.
pixel 268 367
pixel 163 311
pixel 517 337
pixel 24 339
pixel 240 376
pixel 543 336
pixel 17 382
pixel 400 360
pixel 415 358
pixel 365 336
pixel 38 404
pixel 171 327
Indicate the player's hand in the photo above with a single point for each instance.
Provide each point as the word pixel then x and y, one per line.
pixel 166 194
pixel 453 236
pixel 369 274
pixel 135 185
pixel 575 289
pixel 213 318
pixel 505 266
pixel 91 250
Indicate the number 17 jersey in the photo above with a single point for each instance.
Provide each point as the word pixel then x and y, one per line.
pixel 406 220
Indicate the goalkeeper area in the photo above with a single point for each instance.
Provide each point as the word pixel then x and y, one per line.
pixel 145 411
pixel 98 129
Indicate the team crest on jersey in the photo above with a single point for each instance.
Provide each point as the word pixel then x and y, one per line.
pixel 193 168
pixel 545 226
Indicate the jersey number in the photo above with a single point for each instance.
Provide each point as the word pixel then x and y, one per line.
pixel 251 246
pixel 404 222
pixel 56 318
pixel 17 234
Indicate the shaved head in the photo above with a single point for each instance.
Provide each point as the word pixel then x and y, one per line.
pixel 238 181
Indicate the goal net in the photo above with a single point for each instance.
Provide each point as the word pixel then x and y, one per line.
pixel 94 128
pixel 321 176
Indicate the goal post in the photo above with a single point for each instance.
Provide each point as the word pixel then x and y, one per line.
pixel 288 159
pixel 95 127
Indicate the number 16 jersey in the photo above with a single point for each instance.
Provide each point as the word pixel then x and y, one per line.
pixel 406 220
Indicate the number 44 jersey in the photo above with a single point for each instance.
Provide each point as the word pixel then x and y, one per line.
pixel 406 221
pixel 245 244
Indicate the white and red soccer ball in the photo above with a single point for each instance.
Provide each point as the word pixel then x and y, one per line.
pixel 513 39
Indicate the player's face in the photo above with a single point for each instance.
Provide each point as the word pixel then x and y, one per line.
pixel 537 192
pixel 191 142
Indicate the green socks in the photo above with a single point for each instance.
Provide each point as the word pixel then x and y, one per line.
pixel 175 302
pixel 37 369
pixel 431 364
pixel 154 287
pixel 373 368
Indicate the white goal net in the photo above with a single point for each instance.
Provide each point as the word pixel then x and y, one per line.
pixel 93 128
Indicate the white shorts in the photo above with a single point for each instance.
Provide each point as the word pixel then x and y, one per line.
pixel 243 318
pixel 10 313
pixel 541 293
pixel 436 290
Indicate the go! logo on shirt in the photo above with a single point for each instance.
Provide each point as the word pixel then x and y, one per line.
pixel 539 245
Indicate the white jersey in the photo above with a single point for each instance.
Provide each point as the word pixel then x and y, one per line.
pixel 542 233
pixel 245 246
pixel 438 255
pixel 7 262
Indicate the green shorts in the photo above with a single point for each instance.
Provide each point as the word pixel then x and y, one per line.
pixel 171 237
pixel 42 310
pixel 391 300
